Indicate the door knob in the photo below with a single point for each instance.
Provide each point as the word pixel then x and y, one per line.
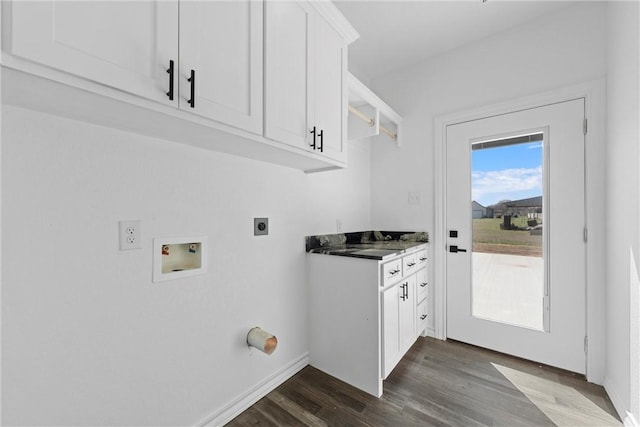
pixel 454 249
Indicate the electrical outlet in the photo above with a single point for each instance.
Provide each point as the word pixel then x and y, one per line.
pixel 415 198
pixel 260 226
pixel 130 235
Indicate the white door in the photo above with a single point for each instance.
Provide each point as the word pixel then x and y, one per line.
pixel 127 45
pixel 551 284
pixel 221 45
pixel 330 109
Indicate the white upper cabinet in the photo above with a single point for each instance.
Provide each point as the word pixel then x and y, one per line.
pixel 305 66
pixel 127 45
pixel 287 60
pixel 269 74
pixel 330 94
pixel 221 43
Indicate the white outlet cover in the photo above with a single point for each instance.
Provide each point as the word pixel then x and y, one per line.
pixel 130 235
pixel 414 198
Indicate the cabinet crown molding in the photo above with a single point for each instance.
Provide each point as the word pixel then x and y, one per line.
pixel 333 16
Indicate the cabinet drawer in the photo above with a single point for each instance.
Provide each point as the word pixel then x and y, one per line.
pixel 409 264
pixel 391 271
pixel 421 258
pixel 423 286
pixel 423 315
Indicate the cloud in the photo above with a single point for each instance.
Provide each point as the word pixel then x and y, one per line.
pixel 513 184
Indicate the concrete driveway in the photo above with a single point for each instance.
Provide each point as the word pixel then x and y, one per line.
pixel 508 289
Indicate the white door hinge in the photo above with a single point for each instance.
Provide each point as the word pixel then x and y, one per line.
pixel 585 235
pixel 584 126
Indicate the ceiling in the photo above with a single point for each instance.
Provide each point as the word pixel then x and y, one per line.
pixel 400 33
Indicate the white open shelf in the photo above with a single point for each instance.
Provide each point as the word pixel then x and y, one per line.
pixel 369 115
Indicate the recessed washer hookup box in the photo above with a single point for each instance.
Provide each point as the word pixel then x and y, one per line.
pixel 177 257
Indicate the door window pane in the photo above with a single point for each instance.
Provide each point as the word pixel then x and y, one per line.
pixel 508 283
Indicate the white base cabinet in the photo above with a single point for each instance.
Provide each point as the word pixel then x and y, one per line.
pixel 363 315
pixel 399 324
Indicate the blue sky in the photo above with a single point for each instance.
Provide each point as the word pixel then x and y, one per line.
pixel 512 172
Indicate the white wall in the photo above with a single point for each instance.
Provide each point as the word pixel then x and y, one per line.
pixel 87 338
pixel 342 195
pixel 623 165
pixel 564 49
pixel 556 51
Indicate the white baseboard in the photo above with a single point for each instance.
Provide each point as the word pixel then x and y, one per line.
pixel 616 399
pixel 428 332
pixel 251 396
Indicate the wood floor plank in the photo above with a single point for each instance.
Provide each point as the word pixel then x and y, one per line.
pixel 440 383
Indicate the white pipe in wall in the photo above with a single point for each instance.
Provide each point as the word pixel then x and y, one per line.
pixel 262 340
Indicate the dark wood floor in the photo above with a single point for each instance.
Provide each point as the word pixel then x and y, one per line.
pixel 440 383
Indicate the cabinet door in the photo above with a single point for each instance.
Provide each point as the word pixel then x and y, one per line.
pixel 390 330
pixel 288 26
pixel 123 44
pixel 221 41
pixel 407 314
pixel 329 89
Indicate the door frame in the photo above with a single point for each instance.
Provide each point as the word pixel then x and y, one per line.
pixel 594 94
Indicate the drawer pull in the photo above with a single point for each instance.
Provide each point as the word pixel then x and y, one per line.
pixel 411 264
pixel 393 272
pixel 423 284
pixel 423 259
pixel 424 316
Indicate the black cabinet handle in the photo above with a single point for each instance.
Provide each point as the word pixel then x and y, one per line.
pixel 319 135
pixel 423 259
pixel 424 316
pixel 170 71
pixel 192 80
pixel 423 284
pixel 411 264
pixel 402 296
pixel 313 132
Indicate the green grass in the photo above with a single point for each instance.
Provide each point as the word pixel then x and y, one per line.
pixel 487 230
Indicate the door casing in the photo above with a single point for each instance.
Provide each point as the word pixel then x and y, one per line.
pixel 594 94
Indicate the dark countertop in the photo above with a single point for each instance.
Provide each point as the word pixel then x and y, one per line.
pixel 376 245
